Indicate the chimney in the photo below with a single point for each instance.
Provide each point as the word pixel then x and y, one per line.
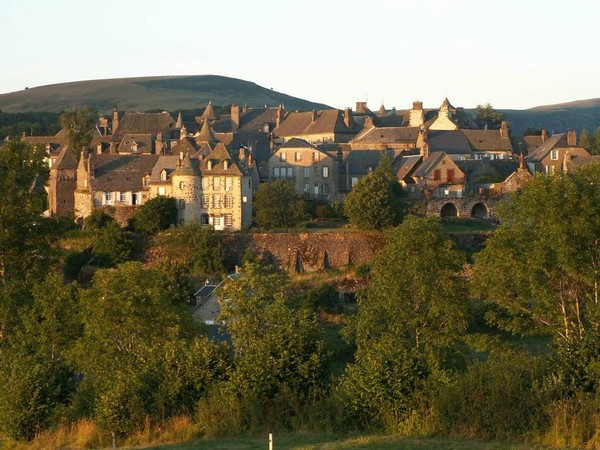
pixel 235 118
pixel 242 153
pixel 567 161
pixel 571 138
pixel 425 151
pixel 521 162
pixel 158 145
pixel 369 122
pixel 416 116
pixel 313 116
pixel 544 134
pixel 280 115
pixel 417 106
pixel 348 118
pixel 504 129
pixel 115 121
pixel 422 137
pixel 245 109
pixel 180 156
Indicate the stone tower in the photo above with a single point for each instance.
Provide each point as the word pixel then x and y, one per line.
pixel 62 183
pixel 187 190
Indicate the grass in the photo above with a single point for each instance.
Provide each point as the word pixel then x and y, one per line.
pixel 338 442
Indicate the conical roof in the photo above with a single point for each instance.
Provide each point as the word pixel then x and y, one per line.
pixel 206 134
pixel 66 160
pixel 382 111
pixel 179 121
pixel 187 168
pixel 209 113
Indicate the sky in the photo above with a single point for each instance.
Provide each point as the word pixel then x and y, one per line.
pixel 512 54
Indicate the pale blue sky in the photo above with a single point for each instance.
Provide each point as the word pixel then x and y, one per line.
pixel 513 54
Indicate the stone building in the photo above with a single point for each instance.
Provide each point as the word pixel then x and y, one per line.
pixel 62 183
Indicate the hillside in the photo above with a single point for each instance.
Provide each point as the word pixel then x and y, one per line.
pixel 557 118
pixel 169 93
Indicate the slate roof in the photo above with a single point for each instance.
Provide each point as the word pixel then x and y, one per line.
pixel 359 161
pixel 581 161
pixel 209 112
pixel 65 160
pixel 484 171
pixel 142 123
pixel 217 158
pixel 487 140
pixel 389 135
pixel 403 166
pixel 558 140
pixel 120 172
pixel 301 123
pixel 187 167
pixel 185 145
pixel 168 163
pixel 205 134
pixel 429 164
pixel 525 144
pixel 143 141
pixel 451 142
pixel 298 143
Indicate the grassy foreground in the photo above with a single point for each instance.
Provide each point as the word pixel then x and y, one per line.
pixel 336 442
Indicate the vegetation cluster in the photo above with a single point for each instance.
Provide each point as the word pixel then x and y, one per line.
pixel 503 345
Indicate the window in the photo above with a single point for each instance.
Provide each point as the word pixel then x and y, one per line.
pixel 181 204
pixel 216 200
pixel 203 219
pixel 225 164
pixel 216 183
pixel 325 171
pixel 123 197
pixel 325 189
pixel 307 172
pixel 205 200
pixel 228 220
pixel 163 175
pixel 216 222
pixel 298 156
pixel 162 190
pixel 276 172
pixel 354 181
pixel 307 188
pixel 550 170
pixel 290 172
pixel 282 156
pixel 181 185
pixel 316 156
pixel 108 198
pixel 134 198
pixel 204 183
pixel 228 184
pixel 316 189
pixel 446 192
pixel 554 155
pixel 450 175
pixel 228 201
pixel 437 175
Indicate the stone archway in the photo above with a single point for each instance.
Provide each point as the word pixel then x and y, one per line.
pixel 480 211
pixel 449 210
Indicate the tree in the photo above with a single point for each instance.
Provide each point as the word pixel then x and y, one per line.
pixel 136 342
pixel 585 140
pixel 595 150
pixel 541 269
pixel 486 117
pixel 277 346
pixel 409 320
pixel 113 246
pixel 156 214
pixel 375 202
pixel 79 125
pixel 278 204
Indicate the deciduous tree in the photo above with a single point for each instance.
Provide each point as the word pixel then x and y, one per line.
pixel 486 116
pixel 278 204
pixel 79 125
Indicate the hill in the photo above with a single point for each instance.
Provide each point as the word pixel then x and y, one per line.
pixel 169 93
pixel 557 118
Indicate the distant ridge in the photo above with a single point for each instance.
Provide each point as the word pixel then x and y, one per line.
pixel 169 93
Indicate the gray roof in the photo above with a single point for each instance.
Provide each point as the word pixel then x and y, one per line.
pixel 142 123
pixel 429 164
pixel 298 143
pixel 451 142
pixel 359 161
pixel 122 173
pixel 404 165
pixel 487 140
pixel 168 163
pixel 554 141
pixel 389 135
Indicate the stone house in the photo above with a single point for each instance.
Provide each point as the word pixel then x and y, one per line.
pixel 317 127
pixel 490 144
pixel 555 154
pixel 314 172
pixel 62 183
pixel 439 176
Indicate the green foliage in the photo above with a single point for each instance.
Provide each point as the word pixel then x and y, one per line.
pixel 278 204
pixel 322 298
pixel 498 398
pixel 79 125
pixel 156 214
pixel 113 246
pixel 585 140
pixel 532 131
pixel 97 220
pixel 278 347
pixel 486 117
pixel 542 266
pixel 31 123
pixel 194 248
pixel 375 202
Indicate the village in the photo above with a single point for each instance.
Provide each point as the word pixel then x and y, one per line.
pixel 212 166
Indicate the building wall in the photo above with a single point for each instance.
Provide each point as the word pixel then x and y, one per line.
pixel 61 188
pixel 443 122
pixel 187 192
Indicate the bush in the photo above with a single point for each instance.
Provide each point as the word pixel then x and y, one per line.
pixel 156 214
pixel 97 220
pixel 499 398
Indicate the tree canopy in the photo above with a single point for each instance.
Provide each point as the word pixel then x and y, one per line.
pixel 157 214
pixel 375 202
pixel 487 117
pixel 79 125
pixel 278 204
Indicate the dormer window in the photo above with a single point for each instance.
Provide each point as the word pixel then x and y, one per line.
pixel 209 164
pixel 266 128
pixel 225 165
pixel 134 147
pixel 163 175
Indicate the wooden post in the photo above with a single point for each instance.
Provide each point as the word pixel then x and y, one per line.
pixel 270 441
